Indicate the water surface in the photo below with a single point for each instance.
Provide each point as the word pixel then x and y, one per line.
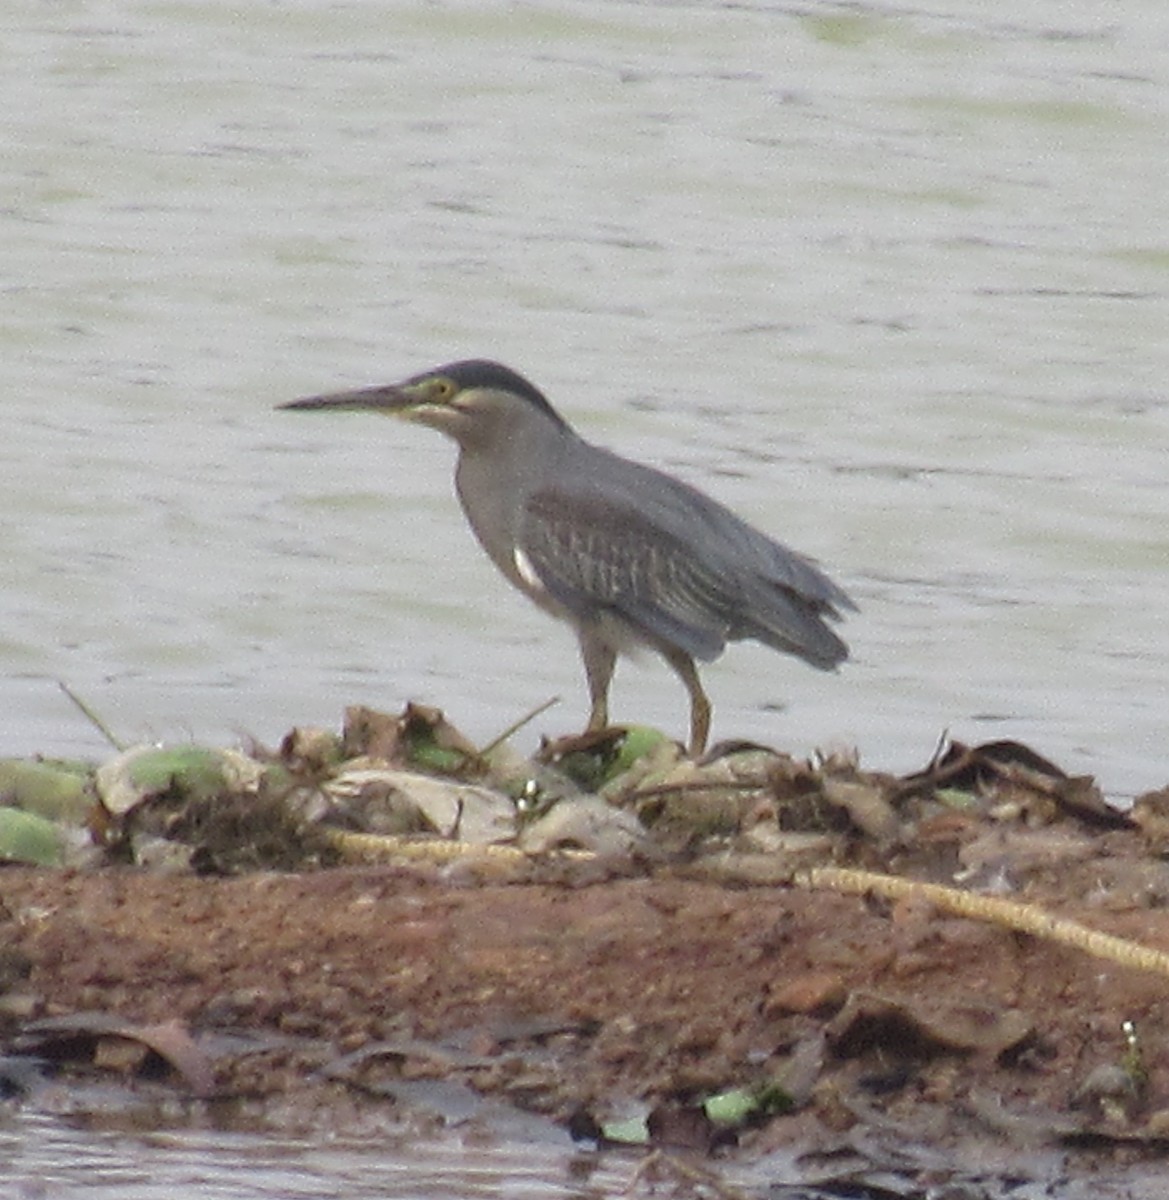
pixel 888 280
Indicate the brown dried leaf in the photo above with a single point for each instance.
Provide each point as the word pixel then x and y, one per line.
pixel 90 1035
pixel 870 1021
pixel 681 1127
pixel 868 807
pixel 1010 771
pixel 421 736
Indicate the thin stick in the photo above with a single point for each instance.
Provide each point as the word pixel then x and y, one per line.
pixel 516 726
pixel 1025 918
pixel 91 716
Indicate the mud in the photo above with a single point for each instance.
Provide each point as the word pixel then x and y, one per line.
pixel 583 989
pixel 572 998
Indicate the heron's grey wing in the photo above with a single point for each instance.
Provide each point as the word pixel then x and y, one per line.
pixel 769 592
pixel 745 551
pixel 594 556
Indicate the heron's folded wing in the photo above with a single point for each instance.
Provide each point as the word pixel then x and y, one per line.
pixel 594 556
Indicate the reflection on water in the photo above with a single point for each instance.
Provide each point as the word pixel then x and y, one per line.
pixel 44 1157
pixel 41 1156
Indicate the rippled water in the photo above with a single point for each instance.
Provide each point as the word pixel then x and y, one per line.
pixel 890 280
pixel 41 1156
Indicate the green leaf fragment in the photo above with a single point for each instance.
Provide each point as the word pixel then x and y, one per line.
pixel 956 798
pixel 56 791
pixel 27 838
pixel 639 740
pixel 738 1105
pixel 632 1132
pixel 192 770
pixel 732 1107
pixel 433 757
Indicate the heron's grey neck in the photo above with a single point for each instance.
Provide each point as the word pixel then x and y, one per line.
pixel 495 479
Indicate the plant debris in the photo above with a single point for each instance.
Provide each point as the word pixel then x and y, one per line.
pixel 745 956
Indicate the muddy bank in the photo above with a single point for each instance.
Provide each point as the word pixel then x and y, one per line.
pixel 698 991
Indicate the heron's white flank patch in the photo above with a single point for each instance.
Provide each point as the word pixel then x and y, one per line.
pixel 523 564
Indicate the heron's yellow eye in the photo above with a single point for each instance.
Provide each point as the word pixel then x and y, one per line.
pixel 442 389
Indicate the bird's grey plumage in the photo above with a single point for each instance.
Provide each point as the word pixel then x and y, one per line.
pixel 626 552
pixel 677 563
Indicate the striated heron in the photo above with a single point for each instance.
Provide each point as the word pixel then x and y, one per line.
pixel 628 555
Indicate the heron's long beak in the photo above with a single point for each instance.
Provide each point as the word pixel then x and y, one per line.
pixel 375 399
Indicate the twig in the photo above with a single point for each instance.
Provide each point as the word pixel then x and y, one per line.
pixel 698 1176
pixel 709 785
pixel 91 716
pixel 1009 914
pixel 939 750
pixel 381 847
pixel 516 726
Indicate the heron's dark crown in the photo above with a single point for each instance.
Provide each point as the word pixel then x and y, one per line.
pixel 483 373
